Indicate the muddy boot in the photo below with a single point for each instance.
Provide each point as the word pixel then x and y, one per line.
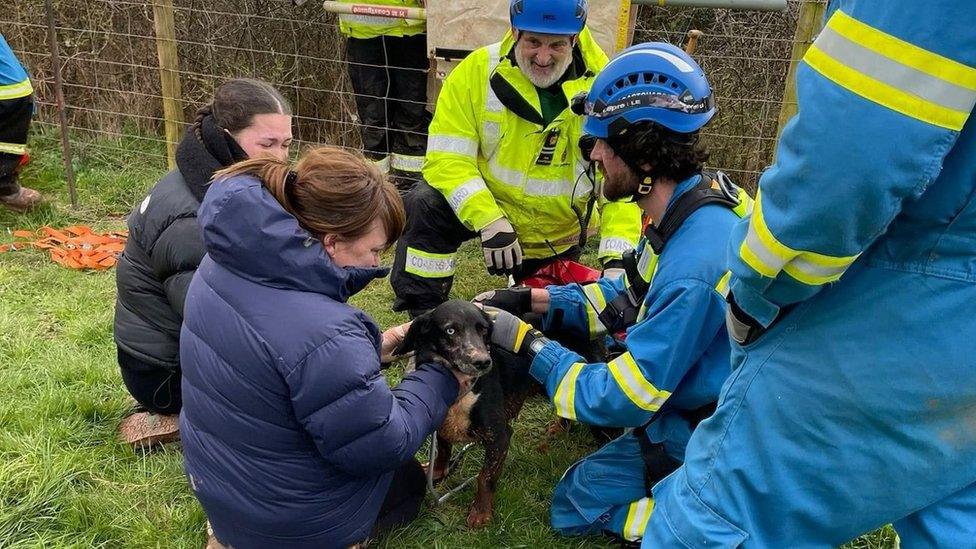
pixel 146 430
pixel 22 200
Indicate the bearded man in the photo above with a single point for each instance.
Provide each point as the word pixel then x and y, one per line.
pixel 503 163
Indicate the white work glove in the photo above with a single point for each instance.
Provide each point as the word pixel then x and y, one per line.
pixel 503 254
pixel 392 339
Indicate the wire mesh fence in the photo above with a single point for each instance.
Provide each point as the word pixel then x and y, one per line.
pixel 113 98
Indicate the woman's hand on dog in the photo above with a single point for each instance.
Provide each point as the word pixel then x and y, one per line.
pixel 392 338
pixel 465 382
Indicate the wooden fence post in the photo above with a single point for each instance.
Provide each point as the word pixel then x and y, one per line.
pixel 807 27
pixel 169 75
pixel 52 36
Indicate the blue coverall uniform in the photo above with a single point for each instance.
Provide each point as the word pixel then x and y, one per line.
pixel 857 407
pixel 676 359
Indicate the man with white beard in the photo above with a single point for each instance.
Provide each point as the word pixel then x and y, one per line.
pixel 504 164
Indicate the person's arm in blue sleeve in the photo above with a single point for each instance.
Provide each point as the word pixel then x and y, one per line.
pixel 877 115
pixel 371 428
pixel 682 319
pixel 576 307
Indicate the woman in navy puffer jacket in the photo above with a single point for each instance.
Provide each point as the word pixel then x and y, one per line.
pixel 291 436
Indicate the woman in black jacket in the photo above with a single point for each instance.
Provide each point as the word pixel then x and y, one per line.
pixel 247 118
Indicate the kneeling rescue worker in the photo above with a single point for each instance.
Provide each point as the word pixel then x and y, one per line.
pixel 645 109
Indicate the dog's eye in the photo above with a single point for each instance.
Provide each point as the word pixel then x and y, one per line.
pixel 449 331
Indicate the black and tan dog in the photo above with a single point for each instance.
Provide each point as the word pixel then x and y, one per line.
pixel 456 334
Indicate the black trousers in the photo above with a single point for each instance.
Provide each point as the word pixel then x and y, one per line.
pixel 389 78
pixel 15 119
pixel 433 227
pixel 155 388
pixel 403 499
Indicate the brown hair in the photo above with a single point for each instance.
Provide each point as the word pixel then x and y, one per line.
pixel 237 101
pixel 333 191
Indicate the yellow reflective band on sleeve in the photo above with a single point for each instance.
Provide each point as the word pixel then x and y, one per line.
pixel 631 380
pixel 894 73
pixel 723 284
pixel 407 162
pixel 594 295
pixel 13 148
pixel 429 264
pixel 453 145
pixel 382 163
pixel 766 255
pixel 746 203
pixel 647 264
pixel 565 397
pixel 16 91
pixel 638 514
pixel 520 336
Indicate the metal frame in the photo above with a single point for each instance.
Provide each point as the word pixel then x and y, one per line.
pixel 438 497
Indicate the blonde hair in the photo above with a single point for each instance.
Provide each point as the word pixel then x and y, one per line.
pixel 331 191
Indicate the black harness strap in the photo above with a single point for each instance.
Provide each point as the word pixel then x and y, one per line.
pixel 657 463
pixel 714 188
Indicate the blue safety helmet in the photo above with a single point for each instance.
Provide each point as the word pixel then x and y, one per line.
pixel 654 81
pixel 548 16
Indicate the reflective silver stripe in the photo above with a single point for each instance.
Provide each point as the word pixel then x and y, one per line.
pixel 369 20
pixel 595 304
pixel 810 271
pixel 637 516
pixel 452 144
pixel 492 103
pixel 504 175
pixel 629 377
pixel 895 74
pixel 492 130
pixel 382 163
pixel 461 194
pixel 13 148
pixel 16 91
pixel 610 245
pixel 548 187
pixel 770 262
pixel 565 397
pixel 407 163
pixel 429 264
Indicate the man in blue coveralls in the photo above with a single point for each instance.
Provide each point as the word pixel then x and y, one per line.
pixel 645 110
pixel 853 305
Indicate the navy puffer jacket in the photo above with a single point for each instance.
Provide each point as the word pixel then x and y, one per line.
pixel 290 433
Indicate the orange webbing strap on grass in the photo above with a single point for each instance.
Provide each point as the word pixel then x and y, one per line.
pixel 75 247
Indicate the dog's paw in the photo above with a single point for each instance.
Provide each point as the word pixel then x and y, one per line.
pixel 479 517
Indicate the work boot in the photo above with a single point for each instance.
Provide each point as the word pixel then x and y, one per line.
pixel 22 200
pixel 145 430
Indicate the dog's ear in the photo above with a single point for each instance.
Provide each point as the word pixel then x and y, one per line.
pixel 419 328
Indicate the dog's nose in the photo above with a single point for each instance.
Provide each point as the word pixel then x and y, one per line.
pixel 481 363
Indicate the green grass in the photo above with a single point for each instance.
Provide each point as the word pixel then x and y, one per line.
pixel 64 479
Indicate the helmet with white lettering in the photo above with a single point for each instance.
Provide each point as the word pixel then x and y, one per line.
pixel 654 82
pixel 548 16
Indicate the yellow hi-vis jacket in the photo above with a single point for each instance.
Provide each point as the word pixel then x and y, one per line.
pixel 490 156
pixel 365 25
